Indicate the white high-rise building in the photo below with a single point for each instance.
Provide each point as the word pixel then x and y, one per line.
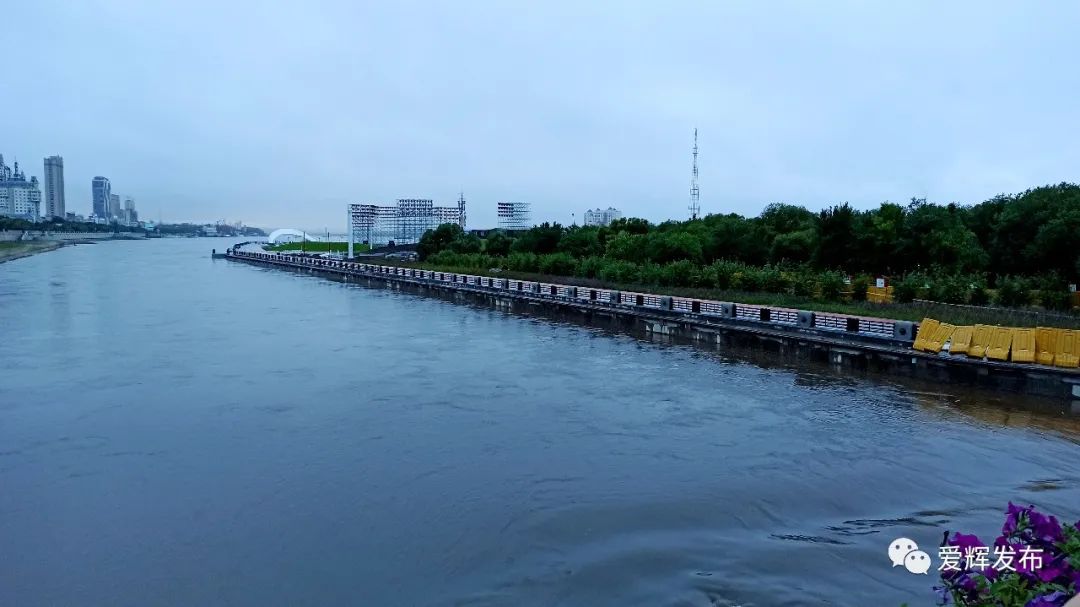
pixel 54 188
pixel 602 217
pixel 130 217
pixel 18 197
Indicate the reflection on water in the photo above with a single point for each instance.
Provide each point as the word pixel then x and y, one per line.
pixel 189 431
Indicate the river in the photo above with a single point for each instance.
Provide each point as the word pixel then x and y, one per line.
pixel 176 430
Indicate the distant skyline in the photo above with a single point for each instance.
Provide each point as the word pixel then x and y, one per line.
pixel 280 114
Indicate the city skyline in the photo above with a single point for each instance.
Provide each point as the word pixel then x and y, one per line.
pixel 805 104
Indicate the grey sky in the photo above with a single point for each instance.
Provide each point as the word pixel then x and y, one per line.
pixel 278 113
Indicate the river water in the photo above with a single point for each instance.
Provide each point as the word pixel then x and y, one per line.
pixel 176 430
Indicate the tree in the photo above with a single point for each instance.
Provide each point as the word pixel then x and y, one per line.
pixel 498 243
pixel 439 239
pixel 581 242
pixel 541 239
pixel 836 238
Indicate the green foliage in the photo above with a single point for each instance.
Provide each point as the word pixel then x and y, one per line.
pixel 542 239
pixel 1012 292
pixel 909 287
pixel 859 285
pixel 318 247
pixel 498 243
pixel 466 244
pixel 559 264
pixel 831 286
pixel 946 253
pixel 581 242
pixel 439 239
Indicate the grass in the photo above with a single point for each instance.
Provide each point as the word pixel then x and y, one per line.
pixel 318 247
pixel 915 311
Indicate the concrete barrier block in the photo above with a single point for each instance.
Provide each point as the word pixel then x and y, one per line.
pixel 806 319
pixel 616 297
pixel 665 303
pixel 727 310
pixel 904 330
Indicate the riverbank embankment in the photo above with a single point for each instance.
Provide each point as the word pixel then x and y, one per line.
pixel 12 250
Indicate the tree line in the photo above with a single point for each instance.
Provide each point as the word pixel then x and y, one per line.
pixel 1024 247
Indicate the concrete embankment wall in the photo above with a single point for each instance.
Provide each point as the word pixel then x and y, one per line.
pixel 11 235
pixel 839 350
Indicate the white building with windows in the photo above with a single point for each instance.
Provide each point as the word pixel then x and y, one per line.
pixel 19 197
pixel 602 217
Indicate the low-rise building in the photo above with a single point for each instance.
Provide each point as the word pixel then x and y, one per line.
pixel 602 217
pixel 19 197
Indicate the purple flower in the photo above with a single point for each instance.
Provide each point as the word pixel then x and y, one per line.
pixel 1045 528
pixel 1053 570
pixel 1012 518
pixel 1055 599
pixel 965 542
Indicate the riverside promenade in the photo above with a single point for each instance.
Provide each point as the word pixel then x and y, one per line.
pixel 873 344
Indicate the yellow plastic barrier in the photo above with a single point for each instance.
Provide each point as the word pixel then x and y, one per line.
pixel 927 328
pixel 1000 343
pixel 941 335
pixel 980 340
pixel 1046 344
pixel 876 294
pixel 1068 351
pixel 961 339
pixel 1023 346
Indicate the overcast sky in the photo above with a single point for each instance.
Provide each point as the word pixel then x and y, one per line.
pixel 279 113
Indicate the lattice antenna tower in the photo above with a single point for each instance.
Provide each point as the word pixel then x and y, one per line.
pixel 695 193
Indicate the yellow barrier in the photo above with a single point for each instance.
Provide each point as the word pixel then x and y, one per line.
pixel 980 340
pixel 879 294
pixel 961 340
pixel 1000 343
pixel 1046 344
pixel 1023 346
pixel 1068 351
pixel 926 330
pixel 941 335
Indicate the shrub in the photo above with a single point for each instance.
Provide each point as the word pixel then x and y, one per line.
pixel 859 285
pixel 679 274
pixel 908 288
pixel 979 296
pixel 523 262
pixel 558 264
pixel 831 286
pixel 721 272
pixel 1055 300
pixel 950 289
pixel 1012 292
pixel 804 285
pixel 620 271
pixel 773 280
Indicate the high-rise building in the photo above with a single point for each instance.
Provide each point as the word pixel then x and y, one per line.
pixel 54 187
pixel 129 215
pixel 18 197
pixel 602 217
pixel 102 192
pixel 114 206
